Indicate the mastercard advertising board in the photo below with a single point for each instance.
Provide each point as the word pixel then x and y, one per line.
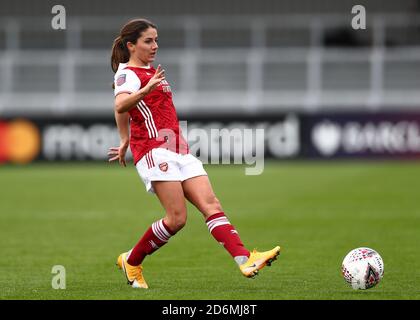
pixel 20 141
pixel 284 136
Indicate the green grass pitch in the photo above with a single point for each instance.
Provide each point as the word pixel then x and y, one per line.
pixel 82 216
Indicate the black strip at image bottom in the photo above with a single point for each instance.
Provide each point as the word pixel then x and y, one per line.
pixel 210 309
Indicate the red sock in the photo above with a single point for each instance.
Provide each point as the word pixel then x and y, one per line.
pixel 221 229
pixel 155 237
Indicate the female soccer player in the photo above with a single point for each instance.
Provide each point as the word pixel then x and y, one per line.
pixel 147 121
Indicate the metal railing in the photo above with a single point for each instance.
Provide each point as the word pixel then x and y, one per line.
pixel 249 76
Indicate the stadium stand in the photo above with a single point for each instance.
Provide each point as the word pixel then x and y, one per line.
pixel 241 56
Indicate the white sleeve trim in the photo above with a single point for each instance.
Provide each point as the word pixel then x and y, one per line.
pixel 126 81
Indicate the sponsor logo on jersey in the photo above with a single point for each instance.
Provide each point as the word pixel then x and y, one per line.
pixel 121 79
pixel 166 89
pixel 163 166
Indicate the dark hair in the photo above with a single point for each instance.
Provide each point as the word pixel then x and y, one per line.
pixel 130 32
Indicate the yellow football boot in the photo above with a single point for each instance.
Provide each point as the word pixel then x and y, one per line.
pixel 257 261
pixel 134 274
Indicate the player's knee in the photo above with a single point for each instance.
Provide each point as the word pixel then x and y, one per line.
pixel 179 223
pixel 212 205
pixel 216 205
pixel 177 220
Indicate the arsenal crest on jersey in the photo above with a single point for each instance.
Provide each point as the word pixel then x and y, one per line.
pixel 121 79
pixel 163 166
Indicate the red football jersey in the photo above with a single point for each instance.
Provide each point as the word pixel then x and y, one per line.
pixel 153 122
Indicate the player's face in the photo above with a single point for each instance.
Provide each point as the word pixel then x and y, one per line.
pixel 146 46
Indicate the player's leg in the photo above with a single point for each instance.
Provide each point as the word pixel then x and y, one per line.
pixel 167 186
pixel 199 192
pixel 171 196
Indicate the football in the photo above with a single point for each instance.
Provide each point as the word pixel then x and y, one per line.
pixel 362 268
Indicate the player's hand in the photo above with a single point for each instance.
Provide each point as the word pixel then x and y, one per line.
pixel 155 80
pixel 118 153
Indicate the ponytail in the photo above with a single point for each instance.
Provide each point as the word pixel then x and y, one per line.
pixel 119 53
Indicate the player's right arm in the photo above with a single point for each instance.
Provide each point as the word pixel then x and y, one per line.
pixel 128 90
pixel 118 153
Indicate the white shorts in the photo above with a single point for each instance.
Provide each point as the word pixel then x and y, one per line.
pixel 160 164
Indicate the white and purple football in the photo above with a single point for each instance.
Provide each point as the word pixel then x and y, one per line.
pixel 362 268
